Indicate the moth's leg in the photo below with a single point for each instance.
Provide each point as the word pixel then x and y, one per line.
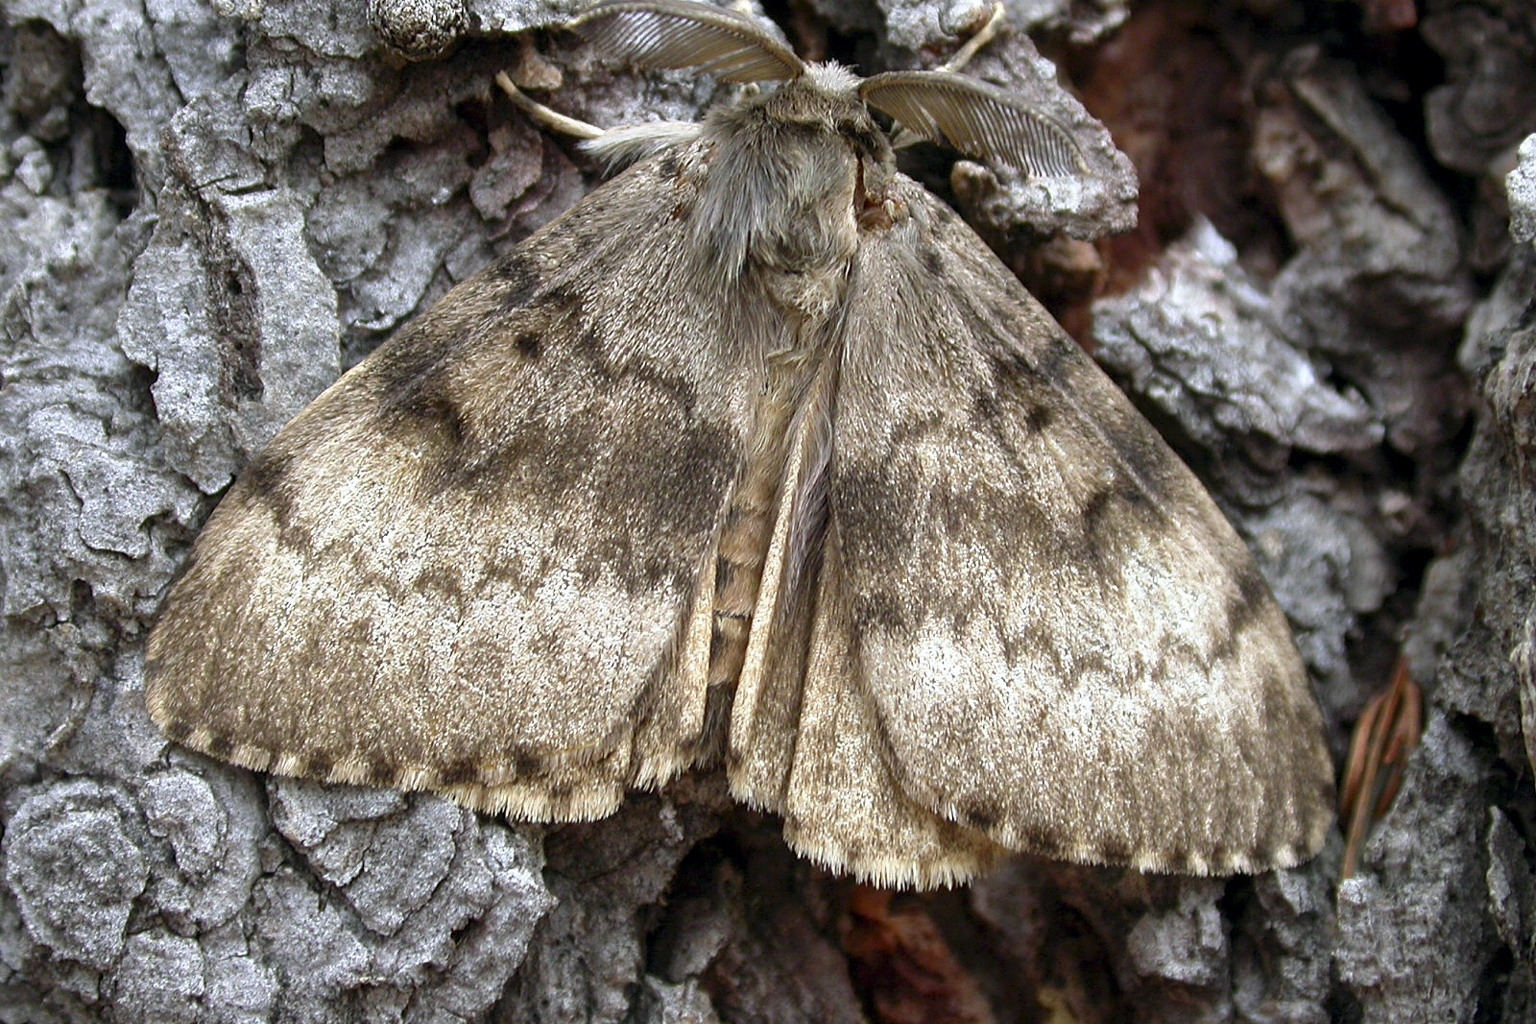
pixel 551 119
pixel 974 44
pixel 615 146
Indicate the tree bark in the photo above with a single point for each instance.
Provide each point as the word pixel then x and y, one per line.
pixel 1328 306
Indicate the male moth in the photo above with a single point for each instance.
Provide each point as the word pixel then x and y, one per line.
pixel 759 456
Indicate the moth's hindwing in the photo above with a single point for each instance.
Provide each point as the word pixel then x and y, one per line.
pixel 481 561
pixel 1032 627
pixel 804 738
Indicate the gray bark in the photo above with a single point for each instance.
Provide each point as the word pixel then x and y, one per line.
pixel 211 209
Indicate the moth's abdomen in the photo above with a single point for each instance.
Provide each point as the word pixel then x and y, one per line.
pixel 748 529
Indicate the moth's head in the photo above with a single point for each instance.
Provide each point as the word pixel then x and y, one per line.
pixel 787 179
pixel 970 116
pixel 825 98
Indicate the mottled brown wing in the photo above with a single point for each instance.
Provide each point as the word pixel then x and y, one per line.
pixel 481 562
pixel 1039 628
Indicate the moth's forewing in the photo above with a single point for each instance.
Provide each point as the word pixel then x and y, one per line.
pixel 479 561
pixel 1062 643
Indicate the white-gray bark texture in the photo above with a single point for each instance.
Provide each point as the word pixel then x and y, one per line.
pixel 212 207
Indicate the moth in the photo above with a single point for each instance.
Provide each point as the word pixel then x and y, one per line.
pixel 758 458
